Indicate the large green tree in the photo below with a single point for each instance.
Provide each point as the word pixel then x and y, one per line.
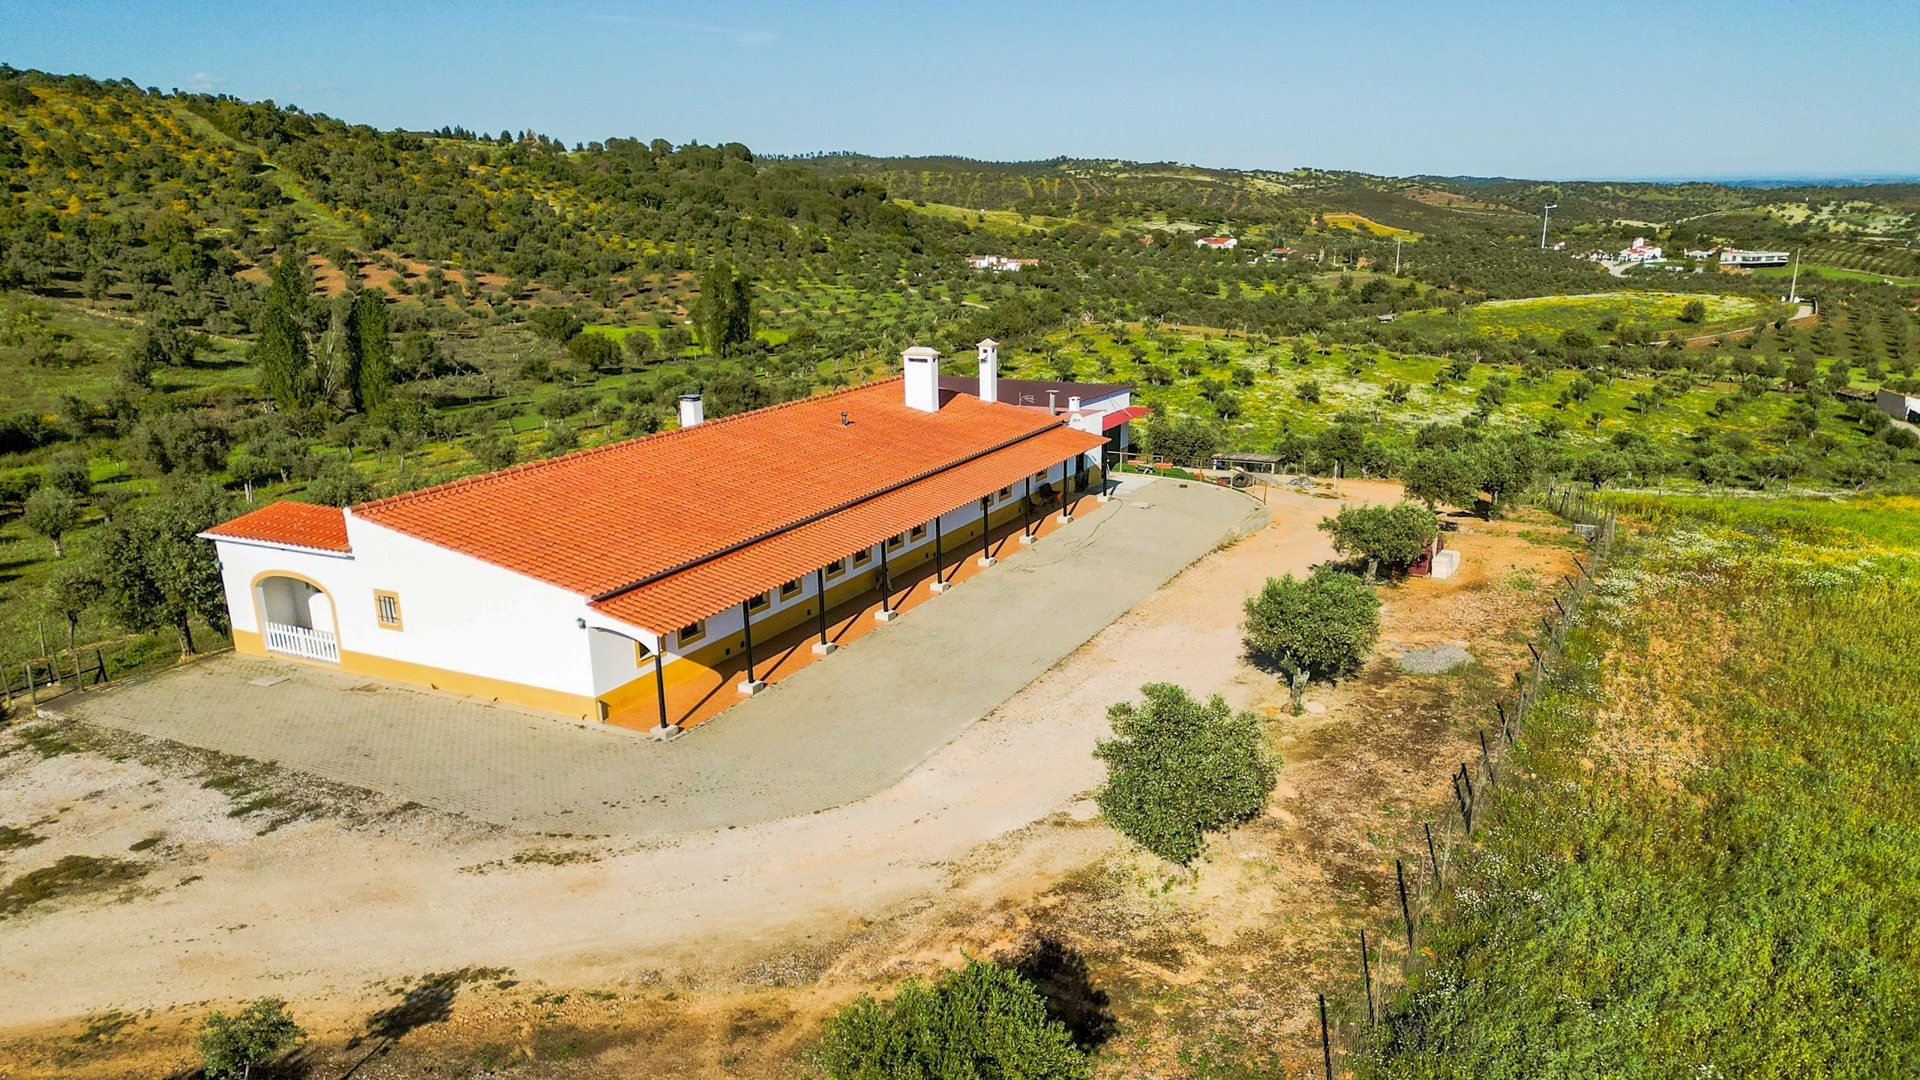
pixel 983 1022
pixel 1320 626
pixel 1178 769
pixel 369 376
pixel 153 568
pixel 723 312
pixel 286 364
pixel 1391 535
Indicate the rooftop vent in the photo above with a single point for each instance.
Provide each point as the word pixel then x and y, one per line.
pixel 692 410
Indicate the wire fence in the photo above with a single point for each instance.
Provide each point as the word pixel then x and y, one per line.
pixel 1383 963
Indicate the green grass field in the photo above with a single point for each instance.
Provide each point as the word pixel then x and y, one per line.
pixel 1551 316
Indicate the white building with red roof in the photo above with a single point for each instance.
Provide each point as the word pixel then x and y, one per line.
pixel 590 584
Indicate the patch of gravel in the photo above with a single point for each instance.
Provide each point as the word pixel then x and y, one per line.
pixel 1436 660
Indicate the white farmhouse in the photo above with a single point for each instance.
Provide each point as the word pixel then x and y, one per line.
pixel 593 583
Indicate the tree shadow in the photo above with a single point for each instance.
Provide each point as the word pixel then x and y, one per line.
pixel 429 1003
pixel 1060 974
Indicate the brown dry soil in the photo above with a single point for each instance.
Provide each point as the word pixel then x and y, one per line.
pixel 1171 973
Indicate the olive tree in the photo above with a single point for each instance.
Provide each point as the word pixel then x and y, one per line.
pixel 52 512
pixel 1178 769
pixel 154 570
pixel 1390 535
pixel 1320 626
pixel 983 1021
pixel 231 1047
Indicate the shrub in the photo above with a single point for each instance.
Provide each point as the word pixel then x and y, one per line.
pixel 1392 535
pixel 338 483
pixel 1178 769
pixel 597 351
pixel 983 1022
pixel 233 1046
pixel 1320 626
pixel 1694 311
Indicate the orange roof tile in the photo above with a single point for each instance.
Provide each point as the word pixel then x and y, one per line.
pixel 678 599
pixel 296 524
pixel 634 514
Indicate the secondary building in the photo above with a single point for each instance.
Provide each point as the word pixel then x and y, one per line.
pixel 588 584
pixel 1096 408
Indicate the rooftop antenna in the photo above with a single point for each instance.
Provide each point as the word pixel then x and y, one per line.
pixel 1551 207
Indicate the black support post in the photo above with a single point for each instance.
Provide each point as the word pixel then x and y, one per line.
pixel 986 528
pixel 886 578
pixel 746 623
pixel 660 678
pixel 939 557
pixel 1026 510
pixel 820 586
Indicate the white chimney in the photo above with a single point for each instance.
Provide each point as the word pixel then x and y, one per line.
pixel 923 378
pixel 1073 403
pixel 692 410
pixel 989 371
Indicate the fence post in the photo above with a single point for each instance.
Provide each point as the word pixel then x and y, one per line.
pixel 1466 815
pixel 1326 1043
pixel 33 695
pixel 1486 759
pixel 1406 913
pixel 1366 975
pixel 100 663
pixel 1431 853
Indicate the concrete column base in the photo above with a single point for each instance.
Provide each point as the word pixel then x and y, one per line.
pixel 751 688
pixel 885 616
pixel 985 561
pixel 1026 538
pixel 1105 499
pixel 937 587
pixel 824 648
pixel 1065 519
pixel 668 733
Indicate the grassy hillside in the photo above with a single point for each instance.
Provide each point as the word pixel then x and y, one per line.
pixel 1701 867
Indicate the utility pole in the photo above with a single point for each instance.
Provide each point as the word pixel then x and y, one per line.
pixel 1793 290
pixel 1550 208
pixel 1396 256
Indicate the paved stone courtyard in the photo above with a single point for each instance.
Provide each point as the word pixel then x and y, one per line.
pixel 831 734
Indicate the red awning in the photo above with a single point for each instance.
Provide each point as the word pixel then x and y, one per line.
pixel 1120 416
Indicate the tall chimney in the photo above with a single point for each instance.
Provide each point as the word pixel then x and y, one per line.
pixel 692 410
pixel 989 371
pixel 1053 403
pixel 923 378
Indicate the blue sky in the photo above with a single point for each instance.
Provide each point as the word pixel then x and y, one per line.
pixel 1731 88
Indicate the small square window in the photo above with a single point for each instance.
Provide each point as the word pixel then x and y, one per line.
pixel 1040 477
pixel 386 608
pixel 693 631
pixel 790 589
pixel 758 602
pixel 863 557
pixel 895 543
pixel 1006 493
pixel 836 567
pixel 641 654
pixel 919 532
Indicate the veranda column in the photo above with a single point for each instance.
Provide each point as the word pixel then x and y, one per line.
pixel 752 685
pixel 820 587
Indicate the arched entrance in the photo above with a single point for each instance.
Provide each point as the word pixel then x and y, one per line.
pixel 296 618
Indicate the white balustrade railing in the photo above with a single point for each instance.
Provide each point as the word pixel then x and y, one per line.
pixel 300 641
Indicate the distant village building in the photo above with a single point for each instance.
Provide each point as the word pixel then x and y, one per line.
pixel 1641 252
pixel 1747 260
pixel 1218 243
pixel 999 262
pixel 1897 405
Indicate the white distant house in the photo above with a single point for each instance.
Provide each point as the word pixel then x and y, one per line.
pixel 1747 260
pixel 999 263
pixel 1218 243
pixel 1897 405
pixel 1641 252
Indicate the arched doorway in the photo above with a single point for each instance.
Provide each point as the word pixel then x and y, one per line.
pixel 296 618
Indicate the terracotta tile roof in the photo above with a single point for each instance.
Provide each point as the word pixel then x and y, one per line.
pixel 1033 392
pixel 678 599
pixel 608 518
pixel 296 524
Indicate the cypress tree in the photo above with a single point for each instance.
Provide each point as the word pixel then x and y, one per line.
pixel 286 367
pixel 372 351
